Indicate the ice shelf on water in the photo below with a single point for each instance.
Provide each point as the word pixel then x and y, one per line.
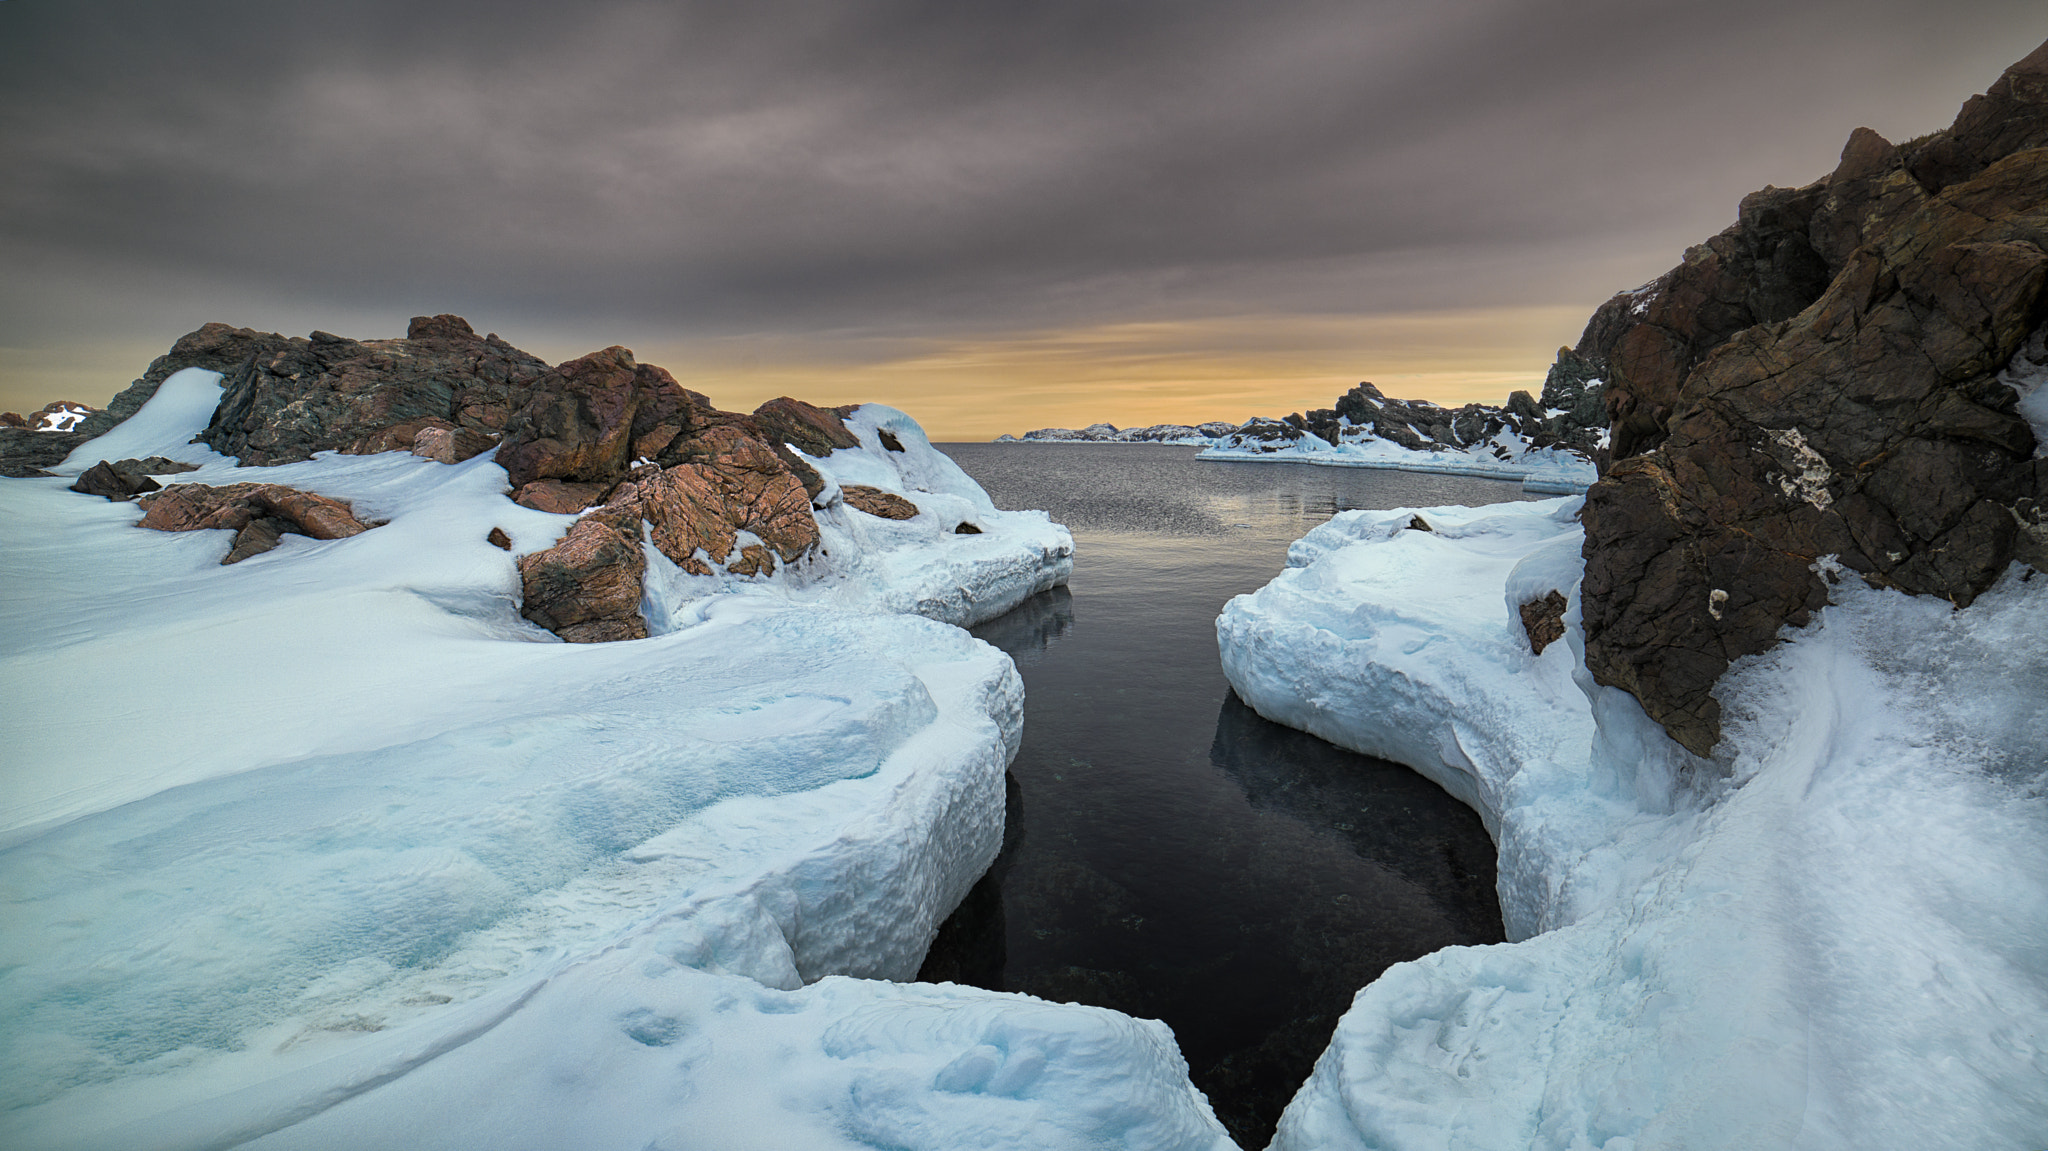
pixel 1833 935
pixel 331 848
pixel 1506 456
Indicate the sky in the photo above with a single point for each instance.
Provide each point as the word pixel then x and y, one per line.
pixel 996 216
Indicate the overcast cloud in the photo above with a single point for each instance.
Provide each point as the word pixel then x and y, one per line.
pixel 676 171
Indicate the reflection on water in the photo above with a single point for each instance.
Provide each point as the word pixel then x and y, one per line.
pixel 1170 854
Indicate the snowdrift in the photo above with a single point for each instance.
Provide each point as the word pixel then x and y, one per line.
pixel 331 848
pixel 1833 935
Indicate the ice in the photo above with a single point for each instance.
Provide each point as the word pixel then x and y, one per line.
pixel 1548 471
pixel 1833 935
pixel 343 852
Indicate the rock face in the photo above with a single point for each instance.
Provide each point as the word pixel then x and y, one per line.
pixel 877 502
pixel 285 398
pixel 258 514
pixel 1819 388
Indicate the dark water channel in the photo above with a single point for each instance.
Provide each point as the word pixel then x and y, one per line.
pixel 1170 854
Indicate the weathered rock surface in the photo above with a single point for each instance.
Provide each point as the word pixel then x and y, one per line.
pixel 877 502
pixel 285 398
pixel 1543 620
pixel 587 588
pixel 1822 380
pixel 126 479
pixel 258 513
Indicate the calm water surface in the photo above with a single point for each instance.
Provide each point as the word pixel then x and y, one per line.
pixel 1170 854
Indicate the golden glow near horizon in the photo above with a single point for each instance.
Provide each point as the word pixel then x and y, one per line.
pixel 975 388
pixel 1135 374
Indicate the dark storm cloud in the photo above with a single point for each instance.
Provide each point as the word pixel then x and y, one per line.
pixel 779 163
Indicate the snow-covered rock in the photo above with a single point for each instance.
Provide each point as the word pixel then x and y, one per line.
pixel 336 849
pixel 1832 937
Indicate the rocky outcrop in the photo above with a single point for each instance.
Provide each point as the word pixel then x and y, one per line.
pixel 1815 391
pixel 604 435
pixel 285 398
pixel 609 433
pixel 258 514
pixel 126 479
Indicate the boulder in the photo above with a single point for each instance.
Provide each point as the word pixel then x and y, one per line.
pixel 126 479
pixel 587 588
pixel 877 502
pixel 560 496
pixel 812 430
pixel 258 513
pixel 1762 443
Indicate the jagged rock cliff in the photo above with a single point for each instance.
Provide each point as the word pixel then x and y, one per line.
pixel 1818 389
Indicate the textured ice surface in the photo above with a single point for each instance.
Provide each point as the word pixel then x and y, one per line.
pixel 337 850
pixel 1833 936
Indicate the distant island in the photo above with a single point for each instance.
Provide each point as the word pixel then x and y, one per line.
pixel 1552 444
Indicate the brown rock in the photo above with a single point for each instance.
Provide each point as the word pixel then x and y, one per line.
pixel 12 420
pixel 877 502
pixel 587 588
pixel 558 496
pixel 738 484
pixel 578 425
pixel 1543 621
pixel 196 507
pixel 498 539
pixel 814 431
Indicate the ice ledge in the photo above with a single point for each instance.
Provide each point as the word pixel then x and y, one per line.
pixel 1827 938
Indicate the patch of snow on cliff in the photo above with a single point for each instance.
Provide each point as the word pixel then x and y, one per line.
pixel 2027 374
pixel 352 855
pixel 1834 937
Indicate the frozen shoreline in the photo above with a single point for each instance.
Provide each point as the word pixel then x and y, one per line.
pixel 330 847
pixel 1829 937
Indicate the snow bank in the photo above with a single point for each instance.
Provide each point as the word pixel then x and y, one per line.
pixel 331 848
pixel 1506 456
pixel 1834 936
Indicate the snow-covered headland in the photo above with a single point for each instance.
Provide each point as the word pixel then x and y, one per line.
pixel 1758 723
pixel 332 846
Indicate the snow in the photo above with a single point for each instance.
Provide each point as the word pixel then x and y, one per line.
pixel 2026 374
pixel 61 417
pixel 347 853
pixel 1541 470
pixel 1833 935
